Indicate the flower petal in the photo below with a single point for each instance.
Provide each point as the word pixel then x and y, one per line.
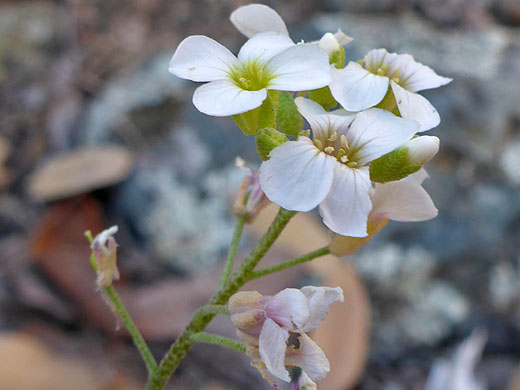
pixel 342 38
pixel 257 18
pixel 310 358
pixel 272 346
pixel 414 106
pixel 321 121
pixel 403 201
pixel 319 301
pixel 346 208
pixel 300 68
pixel 288 308
pixel 376 132
pixel 264 46
pixel 224 98
pixel 355 88
pixel 415 76
pixel 297 176
pixel 417 177
pixel 199 58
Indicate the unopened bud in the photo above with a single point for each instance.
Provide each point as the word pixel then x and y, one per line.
pixel 245 300
pixel 329 43
pixel 250 197
pixel 104 248
pixel 422 149
pixel 247 312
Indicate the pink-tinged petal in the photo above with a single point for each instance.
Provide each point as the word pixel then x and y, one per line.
pixel 355 88
pixel 288 308
pixel 346 208
pixel 199 58
pixel 224 98
pixel 378 58
pixel 310 358
pixel 376 132
pixel 300 68
pixel 417 177
pixel 264 46
pixel 403 201
pixel 297 176
pixel 272 346
pixel 319 301
pixel 257 18
pixel 415 76
pixel 321 121
pixel 415 107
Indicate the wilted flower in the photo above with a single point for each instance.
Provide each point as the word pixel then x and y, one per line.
pixel 104 248
pixel 269 60
pixel 332 170
pixel 404 200
pixel 276 327
pixel 250 197
pixel 359 86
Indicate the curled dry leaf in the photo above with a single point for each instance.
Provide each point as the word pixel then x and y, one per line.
pixel 80 171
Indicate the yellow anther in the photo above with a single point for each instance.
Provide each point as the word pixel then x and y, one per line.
pixel 343 159
pixel 341 153
pixel 352 164
pixel 318 144
pixel 333 137
pixel 329 149
pixel 343 141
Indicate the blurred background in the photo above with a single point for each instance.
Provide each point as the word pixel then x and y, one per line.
pixel 94 131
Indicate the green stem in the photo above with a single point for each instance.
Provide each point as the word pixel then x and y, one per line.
pixel 200 320
pixel 290 263
pixel 239 228
pixel 209 338
pixel 138 339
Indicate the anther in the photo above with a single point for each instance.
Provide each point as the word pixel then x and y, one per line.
pixel 352 164
pixel 333 137
pixel 318 144
pixel 343 141
pixel 329 150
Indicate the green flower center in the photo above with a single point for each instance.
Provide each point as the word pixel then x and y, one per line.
pixel 251 76
pixel 337 146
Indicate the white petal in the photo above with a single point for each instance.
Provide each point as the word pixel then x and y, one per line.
pixel 310 358
pixel 355 88
pixel 297 176
pixel 264 46
pixel 319 300
pixel 300 68
pixel 414 106
pixel 224 98
pixel 199 58
pixel 417 177
pixel 288 308
pixel 272 345
pixel 346 208
pixel 257 18
pixel 376 132
pixel 342 38
pixel 376 58
pixel 422 149
pixel 403 201
pixel 415 76
pixel 321 121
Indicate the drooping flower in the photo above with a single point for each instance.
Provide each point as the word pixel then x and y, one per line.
pixel 250 198
pixel 269 60
pixel 104 248
pixel 253 19
pixel 332 170
pixel 275 328
pixel 404 201
pixel 362 85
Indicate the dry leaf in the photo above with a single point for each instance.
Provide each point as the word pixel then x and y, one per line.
pixel 79 172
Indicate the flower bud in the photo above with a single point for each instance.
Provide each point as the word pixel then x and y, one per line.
pixel 104 248
pixel 329 43
pixel 266 140
pixel 422 149
pixel 250 197
pixel 247 312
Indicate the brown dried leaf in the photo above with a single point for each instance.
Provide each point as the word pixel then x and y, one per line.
pixel 79 172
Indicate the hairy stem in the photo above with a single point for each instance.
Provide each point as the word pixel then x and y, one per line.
pixel 209 338
pixel 290 263
pixel 239 228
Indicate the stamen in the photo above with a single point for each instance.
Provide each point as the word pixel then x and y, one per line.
pixel 343 159
pixel 343 141
pixel 333 137
pixel 329 149
pixel 352 164
pixel 341 153
pixel 380 72
pixel 318 144
pixel 305 133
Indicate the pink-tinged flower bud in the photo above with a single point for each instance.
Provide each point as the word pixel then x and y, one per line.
pixel 250 197
pixel 104 248
pixel 422 149
pixel 247 314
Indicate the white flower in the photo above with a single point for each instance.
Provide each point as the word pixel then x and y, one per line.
pixel 404 200
pixel 269 60
pixel 332 170
pixel 104 248
pixel 278 325
pixel 253 19
pixel 358 87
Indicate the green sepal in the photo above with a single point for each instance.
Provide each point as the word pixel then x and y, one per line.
pixel 392 166
pixel 338 58
pixel 323 97
pixel 389 103
pixel 288 119
pixel 266 140
pixel 264 116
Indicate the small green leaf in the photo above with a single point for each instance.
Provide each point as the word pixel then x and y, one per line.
pixel 266 140
pixel 264 116
pixel 288 119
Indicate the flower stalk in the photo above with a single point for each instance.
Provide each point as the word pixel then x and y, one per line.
pixel 209 338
